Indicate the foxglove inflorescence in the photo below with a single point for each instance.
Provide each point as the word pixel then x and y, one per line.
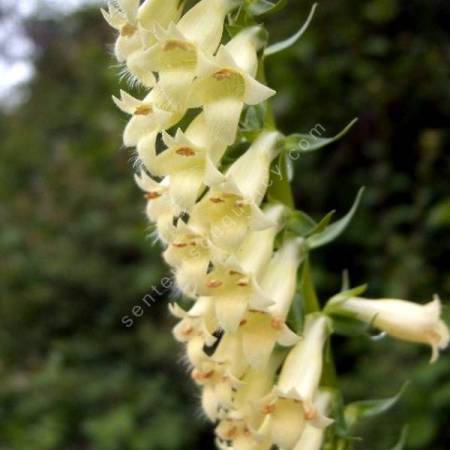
pixel 255 337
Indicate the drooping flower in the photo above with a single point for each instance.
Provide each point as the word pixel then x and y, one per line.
pixel 148 118
pixel 312 437
pixel 195 329
pixel 229 210
pixel 233 285
pixel 190 160
pixel 160 208
pixel 181 51
pixel 226 86
pixel 289 407
pixel 262 329
pixel 400 319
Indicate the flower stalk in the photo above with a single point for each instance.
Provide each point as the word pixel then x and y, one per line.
pixel 218 191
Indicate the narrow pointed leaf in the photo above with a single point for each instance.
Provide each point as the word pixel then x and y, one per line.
pixel 323 224
pixel 402 440
pixel 289 42
pixel 336 228
pixel 371 408
pixel 305 143
pixel 307 290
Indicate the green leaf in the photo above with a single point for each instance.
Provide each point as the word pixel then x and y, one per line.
pixel 356 411
pixel 312 141
pixel 307 290
pixel 264 7
pixel 336 228
pixel 279 187
pixel 283 45
pixel 402 440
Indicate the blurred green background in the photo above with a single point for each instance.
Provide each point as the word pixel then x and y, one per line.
pixel 75 258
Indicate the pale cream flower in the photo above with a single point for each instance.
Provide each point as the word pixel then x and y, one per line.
pixel 262 329
pixel 148 118
pixel 229 210
pixel 290 406
pixel 195 329
pixel 400 319
pixel 225 87
pixel 180 53
pixel 160 208
pixel 190 160
pixel 312 437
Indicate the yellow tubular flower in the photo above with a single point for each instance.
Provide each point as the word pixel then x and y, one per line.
pixel 160 208
pixel 230 209
pixel 227 85
pixel 290 406
pixel 263 329
pixel 400 319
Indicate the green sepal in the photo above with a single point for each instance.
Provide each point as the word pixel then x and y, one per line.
pixel 354 412
pixel 264 7
pixel 306 143
pixel 337 228
pixel 295 316
pixel 254 117
pixel 289 42
pixel 300 223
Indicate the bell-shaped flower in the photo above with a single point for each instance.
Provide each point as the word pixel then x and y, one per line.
pixel 217 385
pixel 229 353
pixel 399 318
pixel 180 53
pixel 233 284
pixel 290 406
pixel 189 254
pixel 124 19
pixel 220 375
pixel 262 329
pixel 312 437
pixel 255 385
pixel 225 87
pixel 148 118
pixel 151 14
pixel 229 210
pixel 240 436
pixel 195 329
pixel 160 208
pixel 189 159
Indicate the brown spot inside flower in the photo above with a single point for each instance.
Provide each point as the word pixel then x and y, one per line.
pixel 310 414
pixel 243 282
pixel 216 200
pixel 128 30
pixel 200 376
pixel 143 110
pixel 152 195
pixel 173 45
pixel 277 324
pixel 185 151
pixel 180 244
pixel 214 284
pixel 268 409
pixel 223 74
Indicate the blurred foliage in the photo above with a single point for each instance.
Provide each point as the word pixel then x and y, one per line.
pixel 75 259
